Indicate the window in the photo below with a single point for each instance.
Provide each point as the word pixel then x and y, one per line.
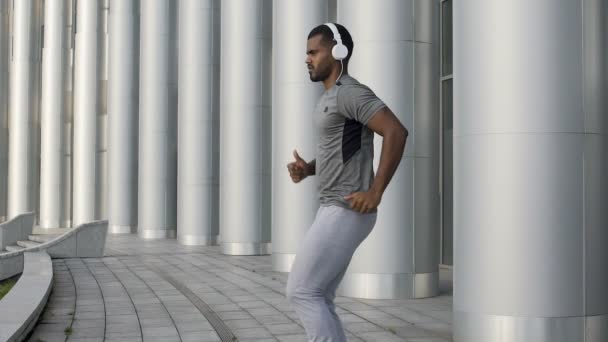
pixel 447 132
pixel 446 40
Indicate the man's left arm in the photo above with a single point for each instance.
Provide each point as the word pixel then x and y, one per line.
pixel 394 135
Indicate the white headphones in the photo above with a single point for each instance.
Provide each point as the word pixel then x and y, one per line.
pixel 339 51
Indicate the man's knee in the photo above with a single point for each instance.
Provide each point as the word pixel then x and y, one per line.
pixel 299 294
pixel 294 294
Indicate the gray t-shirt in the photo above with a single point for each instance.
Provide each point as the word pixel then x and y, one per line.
pixel 345 151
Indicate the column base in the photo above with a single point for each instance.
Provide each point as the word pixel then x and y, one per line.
pixel 118 229
pixel 197 240
pixel 157 234
pixel 390 286
pixel 474 327
pixel 282 262
pixel 49 224
pixel 245 248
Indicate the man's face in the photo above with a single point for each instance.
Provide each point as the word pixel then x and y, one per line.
pixel 318 58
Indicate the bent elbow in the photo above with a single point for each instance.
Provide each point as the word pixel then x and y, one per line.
pixel 402 133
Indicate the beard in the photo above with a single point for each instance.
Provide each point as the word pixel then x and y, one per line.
pixel 319 74
pixel 313 76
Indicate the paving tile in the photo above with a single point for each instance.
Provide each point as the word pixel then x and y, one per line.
pixel 415 331
pixel 159 331
pixel 293 338
pixel 285 329
pixel 251 333
pixel 242 323
pixel 381 336
pixel 123 339
pixel 95 331
pixel 408 315
pixel 229 315
pixel 206 336
pixel 363 327
pixel 267 311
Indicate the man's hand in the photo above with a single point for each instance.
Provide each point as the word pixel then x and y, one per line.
pixel 364 202
pixel 298 169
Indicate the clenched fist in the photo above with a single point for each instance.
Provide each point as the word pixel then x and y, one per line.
pixel 298 169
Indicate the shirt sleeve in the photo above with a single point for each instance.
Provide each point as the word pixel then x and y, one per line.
pixel 358 102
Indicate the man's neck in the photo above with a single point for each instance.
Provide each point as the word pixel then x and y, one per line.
pixel 333 77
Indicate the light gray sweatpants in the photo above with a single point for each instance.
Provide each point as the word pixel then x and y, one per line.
pixel 319 266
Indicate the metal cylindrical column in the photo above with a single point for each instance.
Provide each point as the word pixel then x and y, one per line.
pixel 123 108
pixel 530 165
pixel 85 168
pixel 245 126
pixel 52 115
pixel 198 138
pixel 4 60
pixel 400 257
pixel 101 193
pixel 22 117
pixel 157 121
pixel 294 98
pixel 68 113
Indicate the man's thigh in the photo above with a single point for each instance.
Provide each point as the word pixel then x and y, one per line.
pixel 328 247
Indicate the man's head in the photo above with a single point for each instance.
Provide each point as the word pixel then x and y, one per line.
pixel 319 59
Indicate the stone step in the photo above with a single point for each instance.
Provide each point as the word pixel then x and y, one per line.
pixel 43 231
pixel 42 238
pixel 27 243
pixel 13 248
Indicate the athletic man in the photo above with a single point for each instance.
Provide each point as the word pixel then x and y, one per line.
pixel 347 116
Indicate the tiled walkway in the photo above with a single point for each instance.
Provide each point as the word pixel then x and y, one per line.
pixel 162 291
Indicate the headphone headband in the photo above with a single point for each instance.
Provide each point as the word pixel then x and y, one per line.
pixel 339 51
pixel 334 30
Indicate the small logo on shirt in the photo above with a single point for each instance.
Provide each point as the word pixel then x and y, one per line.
pixel 325 110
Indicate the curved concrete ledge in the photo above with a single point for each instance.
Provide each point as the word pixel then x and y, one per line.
pixel 85 241
pixel 22 306
pixel 15 229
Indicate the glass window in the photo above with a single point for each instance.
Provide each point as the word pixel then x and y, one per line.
pixel 447 104
pixel 446 40
pixel 447 171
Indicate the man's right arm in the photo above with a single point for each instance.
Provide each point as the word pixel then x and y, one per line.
pixel 300 169
pixel 312 167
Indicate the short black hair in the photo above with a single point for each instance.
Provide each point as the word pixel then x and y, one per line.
pixel 328 36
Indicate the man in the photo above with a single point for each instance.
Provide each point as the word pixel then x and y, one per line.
pixel 347 115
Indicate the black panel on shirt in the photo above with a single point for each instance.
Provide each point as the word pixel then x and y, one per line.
pixel 351 139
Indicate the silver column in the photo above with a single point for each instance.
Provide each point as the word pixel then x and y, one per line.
pixel 530 165
pixel 86 80
pixel 158 121
pixel 123 116
pixel 35 100
pixel 68 104
pixel 245 126
pixel 198 138
pixel 52 115
pixel 101 192
pixel 22 166
pixel 396 55
pixel 294 99
pixel 4 60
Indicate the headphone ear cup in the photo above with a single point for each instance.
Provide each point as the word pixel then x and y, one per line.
pixel 339 51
